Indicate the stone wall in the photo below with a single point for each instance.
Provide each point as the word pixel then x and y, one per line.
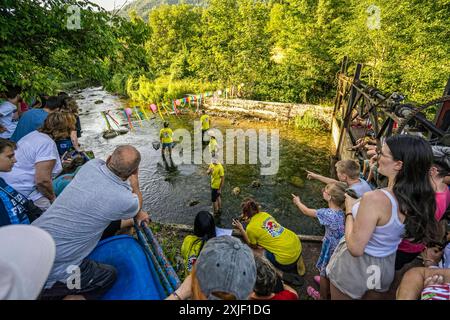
pixel 268 110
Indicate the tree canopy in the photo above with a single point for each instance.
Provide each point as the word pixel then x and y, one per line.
pixel 279 50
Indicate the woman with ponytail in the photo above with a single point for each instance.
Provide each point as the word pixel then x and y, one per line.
pixel 282 246
pixel 363 264
pixel 204 229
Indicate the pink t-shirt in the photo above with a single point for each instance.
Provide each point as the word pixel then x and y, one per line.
pixel 442 202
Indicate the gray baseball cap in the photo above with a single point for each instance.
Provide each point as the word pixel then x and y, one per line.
pixel 27 254
pixel 226 265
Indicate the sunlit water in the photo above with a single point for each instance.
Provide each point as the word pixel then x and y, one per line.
pixel 169 191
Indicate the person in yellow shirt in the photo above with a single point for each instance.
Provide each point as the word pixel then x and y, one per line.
pixel 165 136
pixel 204 229
pixel 206 123
pixel 217 179
pixel 213 147
pixel 282 246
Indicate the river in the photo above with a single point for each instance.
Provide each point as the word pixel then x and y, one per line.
pixel 171 193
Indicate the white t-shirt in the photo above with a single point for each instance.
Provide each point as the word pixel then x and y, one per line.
pixel 33 148
pixel 7 110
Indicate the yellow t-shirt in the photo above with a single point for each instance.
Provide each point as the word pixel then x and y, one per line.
pixel 263 230
pixel 205 121
pixel 190 250
pixel 166 135
pixel 216 175
pixel 213 145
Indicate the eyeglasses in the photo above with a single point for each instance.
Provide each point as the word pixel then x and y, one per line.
pixel 380 153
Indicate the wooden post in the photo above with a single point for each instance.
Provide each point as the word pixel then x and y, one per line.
pixel 338 98
pixel 348 111
pixel 444 107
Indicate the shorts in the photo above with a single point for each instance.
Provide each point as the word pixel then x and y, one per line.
pixel 96 280
pixel 289 268
pixel 42 203
pixel 167 145
pixel 214 194
pixel 354 276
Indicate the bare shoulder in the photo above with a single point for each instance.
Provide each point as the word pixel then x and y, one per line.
pixel 375 195
pixel 376 199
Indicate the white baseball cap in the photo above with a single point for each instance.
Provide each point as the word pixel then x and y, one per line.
pixel 27 254
pixel 215 160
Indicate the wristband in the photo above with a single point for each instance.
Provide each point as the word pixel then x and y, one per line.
pixel 176 295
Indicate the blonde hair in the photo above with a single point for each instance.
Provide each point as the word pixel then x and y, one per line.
pixel 58 125
pixel 349 167
pixel 336 190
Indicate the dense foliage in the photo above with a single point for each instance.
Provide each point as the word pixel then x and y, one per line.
pixel 279 50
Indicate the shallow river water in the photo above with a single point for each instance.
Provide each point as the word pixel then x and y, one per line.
pixel 174 194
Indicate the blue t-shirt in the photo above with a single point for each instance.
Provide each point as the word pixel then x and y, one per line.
pixel 333 220
pixel 60 183
pixel 31 120
pixel 12 206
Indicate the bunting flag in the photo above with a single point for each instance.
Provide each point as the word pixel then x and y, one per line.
pixel 144 113
pixel 108 125
pixel 129 120
pixel 160 114
pixel 137 116
pixel 194 100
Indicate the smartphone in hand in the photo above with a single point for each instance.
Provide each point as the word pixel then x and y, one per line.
pixel 351 193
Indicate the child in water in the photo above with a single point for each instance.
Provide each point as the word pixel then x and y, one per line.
pixel 333 220
pixel 213 148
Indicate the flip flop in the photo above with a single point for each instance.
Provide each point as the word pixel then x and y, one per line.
pixel 313 293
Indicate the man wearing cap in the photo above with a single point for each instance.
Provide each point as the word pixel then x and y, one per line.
pixel 225 270
pixel 217 179
pixel 100 194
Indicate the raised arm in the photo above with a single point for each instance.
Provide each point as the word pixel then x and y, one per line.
pixel 236 223
pixel 304 209
pixel 316 176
